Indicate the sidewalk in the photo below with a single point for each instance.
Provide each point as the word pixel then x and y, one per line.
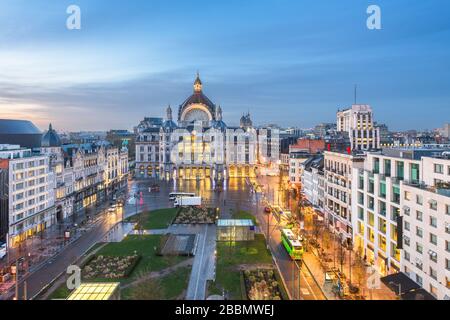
pixel 37 250
pixel 358 276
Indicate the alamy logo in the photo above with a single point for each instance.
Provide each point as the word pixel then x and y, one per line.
pixel 374 20
pixel 73 22
pixel 74 280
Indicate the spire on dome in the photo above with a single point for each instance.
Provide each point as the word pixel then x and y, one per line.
pixel 198 83
pixel 219 113
pixel 169 113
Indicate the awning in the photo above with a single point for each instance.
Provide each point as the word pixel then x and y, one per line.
pixel 409 289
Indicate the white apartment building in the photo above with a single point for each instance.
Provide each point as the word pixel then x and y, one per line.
pixel 358 122
pixel 313 181
pixel 377 209
pixel 296 160
pixel 338 193
pixel 426 231
pixel 402 220
pixel 31 195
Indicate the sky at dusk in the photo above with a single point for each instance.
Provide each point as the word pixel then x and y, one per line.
pixel 293 63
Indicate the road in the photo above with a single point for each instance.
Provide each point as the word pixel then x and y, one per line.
pixel 308 287
pixel 236 195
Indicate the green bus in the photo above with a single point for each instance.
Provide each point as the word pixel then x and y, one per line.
pixel 292 244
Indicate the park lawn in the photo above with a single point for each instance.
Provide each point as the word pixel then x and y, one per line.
pixel 156 219
pixel 145 246
pixel 229 257
pixel 61 293
pixel 171 286
pixel 241 214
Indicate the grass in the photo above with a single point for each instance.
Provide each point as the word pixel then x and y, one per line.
pixel 144 245
pixel 230 257
pixel 60 293
pixel 171 287
pixel 241 214
pixel 157 219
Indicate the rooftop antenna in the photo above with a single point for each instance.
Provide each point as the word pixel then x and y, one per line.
pixel 356 88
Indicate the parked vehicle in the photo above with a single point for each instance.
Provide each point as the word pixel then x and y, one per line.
pixel 174 195
pixel 2 250
pixel 187 201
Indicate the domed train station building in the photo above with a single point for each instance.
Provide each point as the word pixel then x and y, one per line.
pixel 201 145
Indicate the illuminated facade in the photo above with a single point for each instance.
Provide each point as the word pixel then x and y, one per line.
pixel 31 198
pixel 201 145
pixel 358 122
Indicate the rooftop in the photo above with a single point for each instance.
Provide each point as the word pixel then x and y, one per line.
pixel 235 223
pixel 95 291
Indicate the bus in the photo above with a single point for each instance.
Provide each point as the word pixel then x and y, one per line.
pixel 174 195
pixel 292 244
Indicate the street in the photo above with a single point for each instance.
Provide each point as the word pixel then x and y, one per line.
pixel 236 194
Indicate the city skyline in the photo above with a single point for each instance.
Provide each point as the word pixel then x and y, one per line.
pixel 259 57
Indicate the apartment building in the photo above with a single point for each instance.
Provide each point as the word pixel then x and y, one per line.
pixel 4 211
pixel 31 198
pixel 377 221
pixel 426 232
pixel 313 180
pixel 358 122
pixel 296 159
pixel 338 195
pixel 402 220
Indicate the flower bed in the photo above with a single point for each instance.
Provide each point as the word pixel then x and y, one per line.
pixel 110 267
pixel 195 215
pixel 262 285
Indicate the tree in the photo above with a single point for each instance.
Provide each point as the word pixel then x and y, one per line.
pixel 359 271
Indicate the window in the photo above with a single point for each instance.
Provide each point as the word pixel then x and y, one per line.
pixel 406 241
pixel 433 204
pixel 371 219
pixel 447 264
pixel 438 168
pixel 433 290
pixel 433 255
pixel 407 226
pixel 433 238
pixel 419 232
pixel 406 255
pixel 408 195
pixel 433 221
pixel 414 173
pixel 447 246
pixel 447 209
pixel 419 199
pixel 433 273
pixel 383 189
pixel 382 225
pixel 419 248
pixel 382 243
pixel 419 215
pixel 382 208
